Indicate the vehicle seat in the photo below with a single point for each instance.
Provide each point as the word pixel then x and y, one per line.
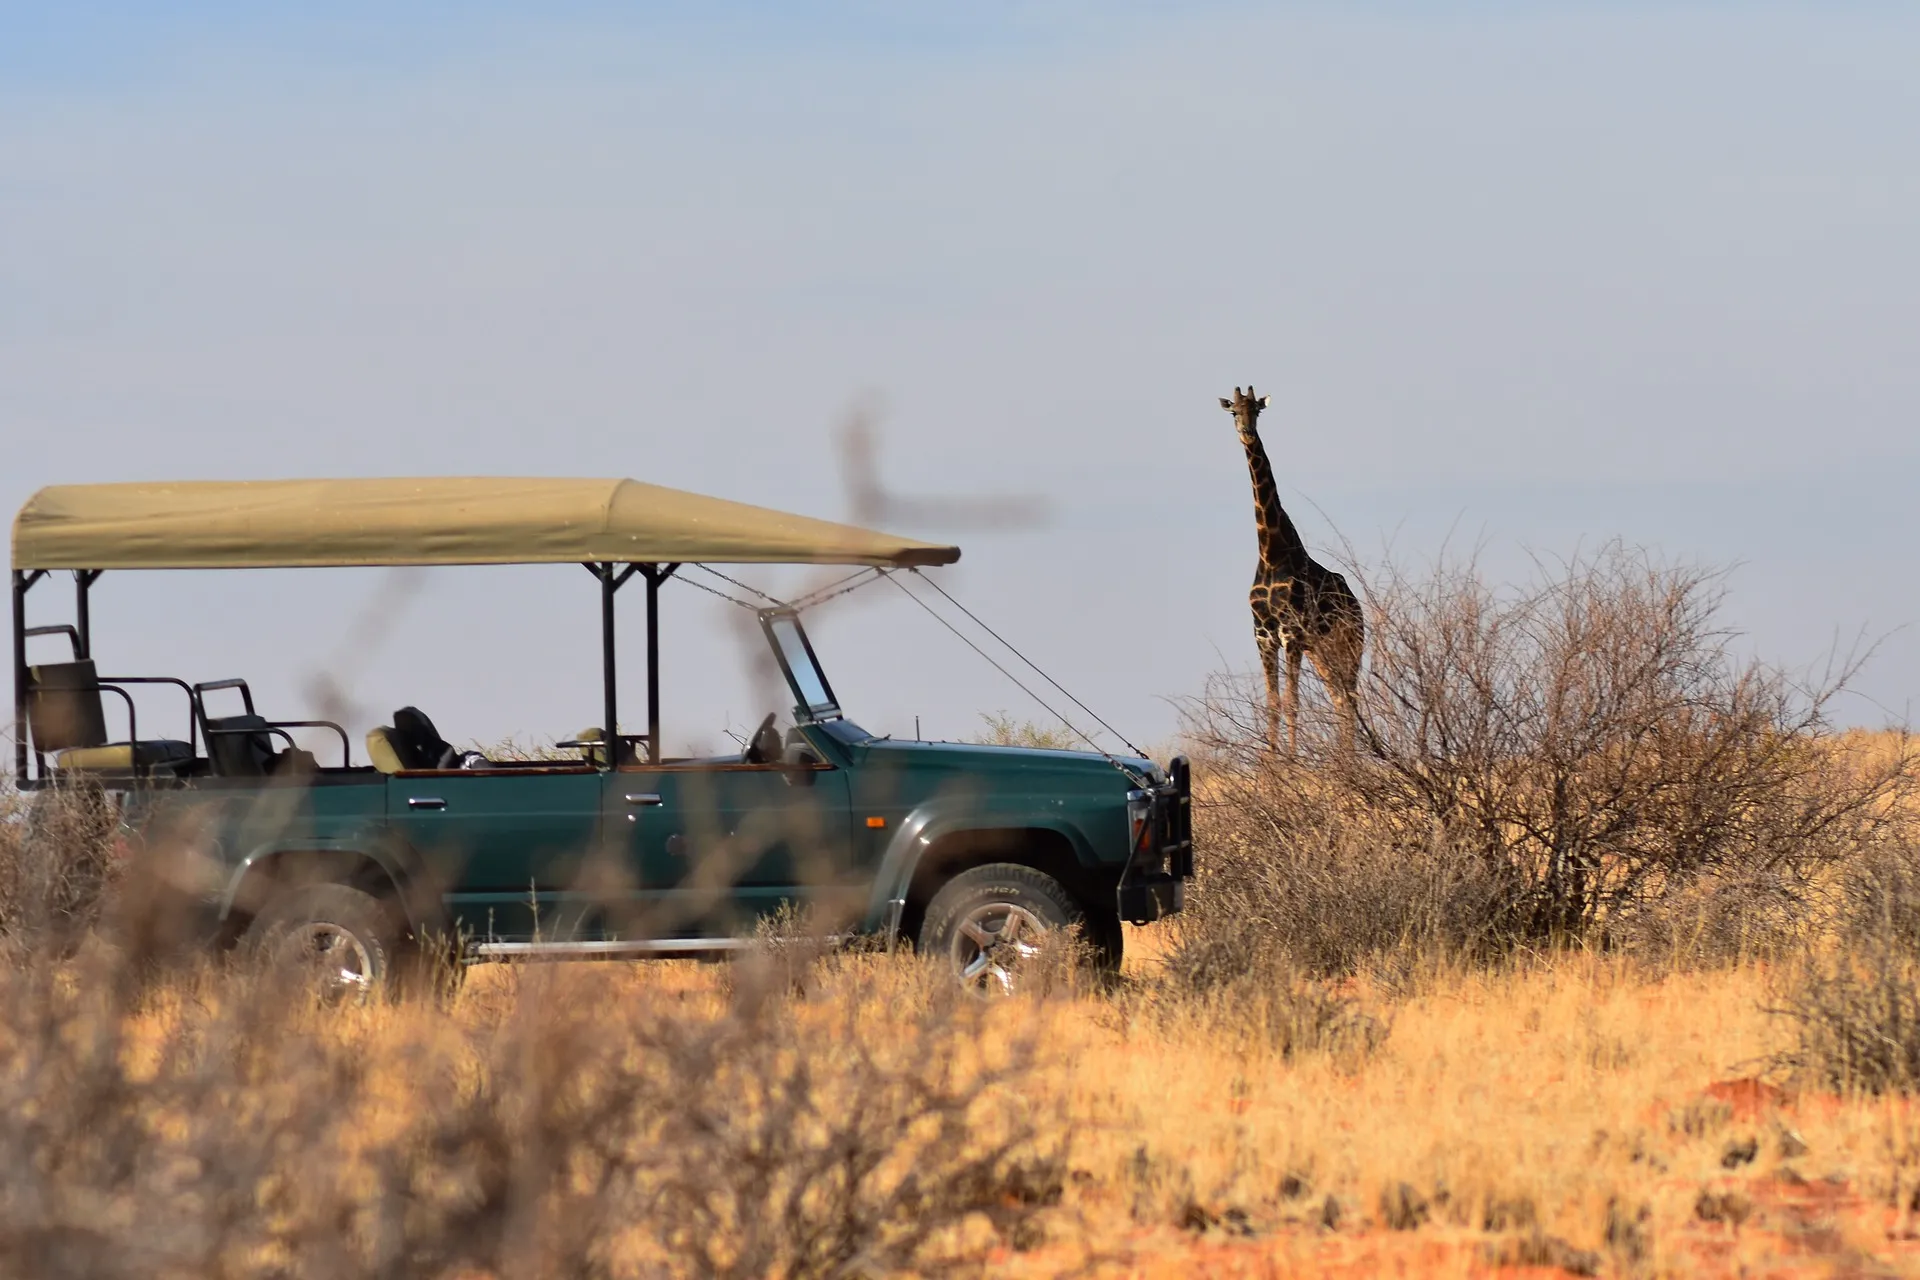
pixel 236 751
pixel 597 756
pixel 415 743
pixel 380 750
pixel 68 722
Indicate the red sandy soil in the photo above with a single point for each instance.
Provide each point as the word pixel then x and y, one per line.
pixel 1778 1226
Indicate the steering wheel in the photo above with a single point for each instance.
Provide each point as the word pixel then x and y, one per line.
pixel 766 745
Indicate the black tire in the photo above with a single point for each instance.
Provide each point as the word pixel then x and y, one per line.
pixel 1107 938
pixel 1004 903
pixel 347 938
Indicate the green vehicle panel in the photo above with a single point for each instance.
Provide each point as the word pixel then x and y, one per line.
pixel 560 857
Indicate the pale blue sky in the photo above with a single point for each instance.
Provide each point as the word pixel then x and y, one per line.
pixel 1537 275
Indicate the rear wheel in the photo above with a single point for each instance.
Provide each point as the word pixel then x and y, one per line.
pixel 989 923
pixel 342 940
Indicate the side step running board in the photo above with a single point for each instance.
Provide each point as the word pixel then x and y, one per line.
pixel 616 947
pixel 622 947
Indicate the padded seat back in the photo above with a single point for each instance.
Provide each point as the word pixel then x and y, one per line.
pixel 63 706
pixel 234 750
pixel 380 750
pixel 418 744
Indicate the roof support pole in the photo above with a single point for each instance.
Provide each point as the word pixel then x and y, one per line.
pixel 610 584
pixel 83 580
pixel 655 575
pixel 611 734
pixel 653 664
pixel 20 585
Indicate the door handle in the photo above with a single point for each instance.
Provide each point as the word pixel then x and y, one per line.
pixel 425 802
pixel 644 798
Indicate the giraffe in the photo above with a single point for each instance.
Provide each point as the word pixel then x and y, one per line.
pixel 1301 608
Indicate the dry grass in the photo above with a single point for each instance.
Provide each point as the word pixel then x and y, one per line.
pixel 674 1119
pixel 56 861
pixel 1558 1109
pixel 846 1115
pixel 549 1121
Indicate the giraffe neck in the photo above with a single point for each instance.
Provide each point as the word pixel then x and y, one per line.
pixel 1280 544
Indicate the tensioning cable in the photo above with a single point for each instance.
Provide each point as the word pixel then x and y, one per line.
pixel 834 590
pixel 854 581
pixel 1132 775
pixel 1029 661
pixel 831 591
pixel 748 605
pixel 743 586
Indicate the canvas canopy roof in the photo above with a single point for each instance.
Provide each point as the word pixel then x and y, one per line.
pixel 429 521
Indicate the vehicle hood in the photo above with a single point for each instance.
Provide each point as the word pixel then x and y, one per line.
pixel 973 756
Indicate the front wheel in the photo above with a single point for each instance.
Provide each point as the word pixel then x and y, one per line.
pixel 987 923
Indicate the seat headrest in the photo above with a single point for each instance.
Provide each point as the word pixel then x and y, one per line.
pixel 64 707
pixel 412 720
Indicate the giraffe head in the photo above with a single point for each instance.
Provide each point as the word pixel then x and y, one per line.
pixel 1245 408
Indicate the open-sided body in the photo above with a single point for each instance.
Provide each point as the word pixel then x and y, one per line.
pixel 609 848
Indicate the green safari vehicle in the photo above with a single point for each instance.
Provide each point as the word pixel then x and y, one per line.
pixel 608 848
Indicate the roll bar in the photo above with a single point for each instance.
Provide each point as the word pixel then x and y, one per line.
pixel 612 576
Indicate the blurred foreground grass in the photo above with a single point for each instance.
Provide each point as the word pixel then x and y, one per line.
pixel 847 1115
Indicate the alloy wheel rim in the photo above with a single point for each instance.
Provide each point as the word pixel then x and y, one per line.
pixel 339 964
pixel 991 943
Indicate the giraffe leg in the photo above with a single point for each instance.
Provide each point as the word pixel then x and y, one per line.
pixel 1349 718
pixel 1346 685
pixel 1270 665
pixel 1330 665
pixel 1294 655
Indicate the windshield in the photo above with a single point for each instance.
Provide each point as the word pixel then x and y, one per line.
pixel 802 669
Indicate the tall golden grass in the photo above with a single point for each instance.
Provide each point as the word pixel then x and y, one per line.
pixel 849 1117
